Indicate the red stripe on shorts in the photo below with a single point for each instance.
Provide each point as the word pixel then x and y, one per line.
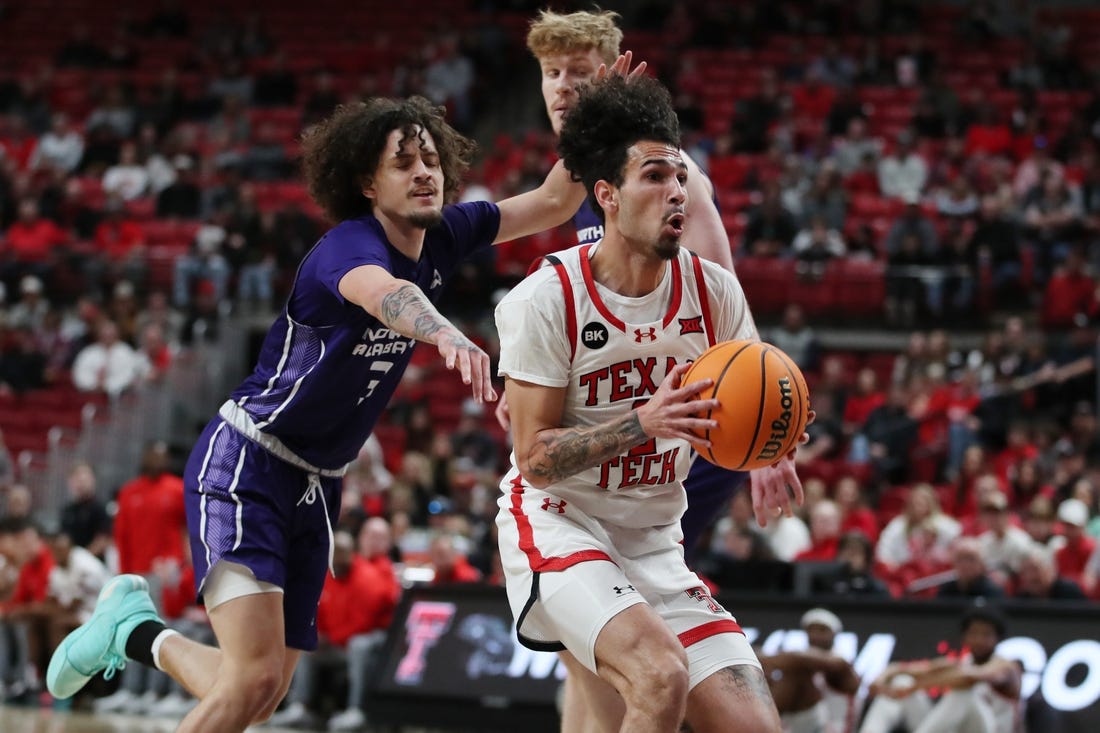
pixel 540 563
pixel 696 635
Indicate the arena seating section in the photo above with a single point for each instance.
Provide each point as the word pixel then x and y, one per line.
pixel 851 290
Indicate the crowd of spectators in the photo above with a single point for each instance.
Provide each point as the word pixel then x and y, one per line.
pixel 942 470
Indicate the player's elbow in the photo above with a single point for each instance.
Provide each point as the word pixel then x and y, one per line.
pixel 534 474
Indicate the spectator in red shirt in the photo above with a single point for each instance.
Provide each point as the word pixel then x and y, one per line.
pixel 151 523
pixel 1072 557
pixel 1069 292
pixel 120 246
pixel 824 533
pixel 29 244
pixel 856 515
pixel 449 564
pixel 25 613
pixel 375 545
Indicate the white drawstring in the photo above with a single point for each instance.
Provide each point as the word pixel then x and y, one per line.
pixel 312 491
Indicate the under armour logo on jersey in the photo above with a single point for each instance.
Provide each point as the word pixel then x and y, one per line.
pixel 650 334
pixel 623 589
pixel 547 505
pixel 437 280
pixel 700 594
pixel 691 325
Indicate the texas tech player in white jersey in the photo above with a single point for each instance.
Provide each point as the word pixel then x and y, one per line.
pixel 559 328
pixel 611 352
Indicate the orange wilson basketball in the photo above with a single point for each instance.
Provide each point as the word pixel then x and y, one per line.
pixel 762 403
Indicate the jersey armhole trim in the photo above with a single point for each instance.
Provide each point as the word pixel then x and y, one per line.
pixel 570 307
pixel 704 302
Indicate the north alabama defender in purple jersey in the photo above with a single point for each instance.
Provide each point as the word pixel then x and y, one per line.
pixel 328 368
pixel 262 485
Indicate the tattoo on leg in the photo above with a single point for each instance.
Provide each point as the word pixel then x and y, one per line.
pixel 746 681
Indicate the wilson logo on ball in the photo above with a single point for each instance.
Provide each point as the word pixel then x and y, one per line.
pixel 781 426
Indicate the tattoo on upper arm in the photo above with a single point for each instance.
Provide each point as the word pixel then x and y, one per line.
pixel 409 304
pixel 558 454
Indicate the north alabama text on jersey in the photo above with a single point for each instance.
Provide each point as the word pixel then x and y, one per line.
pixel 381 341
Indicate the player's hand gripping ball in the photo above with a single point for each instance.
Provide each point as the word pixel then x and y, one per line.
pixel 762 408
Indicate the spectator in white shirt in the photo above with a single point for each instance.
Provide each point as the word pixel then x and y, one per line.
pixel 76 579
pixel 922 528
pixel 108 364
pixel 61 148
pixel 128 178
pixel 1003 545
pixel 904 170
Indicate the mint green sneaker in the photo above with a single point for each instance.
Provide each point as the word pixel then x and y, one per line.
pixel 100 643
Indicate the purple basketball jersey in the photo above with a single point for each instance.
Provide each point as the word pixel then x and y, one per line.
pixel 328 368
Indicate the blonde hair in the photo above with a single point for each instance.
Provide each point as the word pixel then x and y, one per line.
pixel 556 33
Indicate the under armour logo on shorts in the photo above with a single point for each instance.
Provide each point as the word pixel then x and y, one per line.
pixel 620 590
pixel 547 505
pixel 650 334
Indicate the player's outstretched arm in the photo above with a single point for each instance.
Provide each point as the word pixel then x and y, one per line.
pixel 547 453
pixel 402 306
pixel 549 205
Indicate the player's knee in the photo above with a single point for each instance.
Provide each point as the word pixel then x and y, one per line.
pixel 659 680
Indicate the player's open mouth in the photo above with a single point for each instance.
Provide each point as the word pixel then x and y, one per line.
pixel 676 223
pixel 424 194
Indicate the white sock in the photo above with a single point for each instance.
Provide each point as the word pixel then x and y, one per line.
pixel 157 642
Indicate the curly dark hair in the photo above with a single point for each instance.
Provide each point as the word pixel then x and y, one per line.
pixel 611 115
pixel 341 153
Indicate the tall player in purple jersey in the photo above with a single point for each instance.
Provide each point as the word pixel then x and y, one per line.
pixel 263 482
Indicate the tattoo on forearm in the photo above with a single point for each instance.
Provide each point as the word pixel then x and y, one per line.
pixel 408 311
pixel 558 454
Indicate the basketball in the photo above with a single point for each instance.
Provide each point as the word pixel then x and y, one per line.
pixel 763 404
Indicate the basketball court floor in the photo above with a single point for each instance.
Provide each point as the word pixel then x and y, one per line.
pixel 34 720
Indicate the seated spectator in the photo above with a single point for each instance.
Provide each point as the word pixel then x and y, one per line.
pixel 322 99
pixel 770 228
pixel 120 244
pixel 30 246
pixel 921 534
pixel 996 241
pixel 1038 579
pixel 22 364
pixel 887 436
pixel 903 173
pixel 75 581
pixel 109 364
pixel 469 439
pixel 971 579
pixel 856 516
pixel 1072 557
pixel 204 263
pixel 1002 544
pixel 183 198
pixel 1053 216
pixel 855 552
pixel 31 308
pixel 61 148
pixel 1070 293
pixel 448 564
pixel 116 115
pixel 84 519
pixel 80 50
pixel 851 148
pixel 824 533
pixel 826 198
pixel 755 115
pixel 128 179
pixel 958 200
pixel 1036 167
pixel 864 179
pixel 816 244
pixel 24 611
pixel 265 159
pixel 796 338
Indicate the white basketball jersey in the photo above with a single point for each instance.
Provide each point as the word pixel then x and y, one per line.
pixel 615 363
